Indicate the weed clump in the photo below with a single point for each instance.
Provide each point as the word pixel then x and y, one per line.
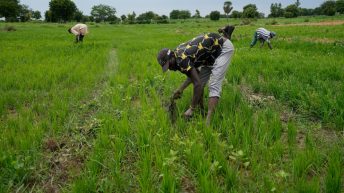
pixel 10 28
pixel 245 22
pixel 273 22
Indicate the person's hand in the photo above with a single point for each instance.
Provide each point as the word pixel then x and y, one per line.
pixel 177 94
pixel 188 113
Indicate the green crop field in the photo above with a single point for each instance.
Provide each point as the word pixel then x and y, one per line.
pixel 92 117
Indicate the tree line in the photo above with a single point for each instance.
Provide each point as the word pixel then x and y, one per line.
pixel 66 10
pixel 13 11
pixel 329 8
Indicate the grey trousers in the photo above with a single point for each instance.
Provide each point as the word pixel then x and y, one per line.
pixel 215 74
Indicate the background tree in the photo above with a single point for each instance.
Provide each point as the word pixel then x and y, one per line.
pixel 78 15
pixel 291 11
pixel 215 15
pixel 227 7
pixel 340 6
pixel 197 14
pixel 180 14
pixel 250 11
pixel 184 14
pixel 317 11
pixel 25 13
pixel 276 10
pixel 9 9
pixel 49 16
pixel 102 12
pixel 297 3
pixel 91 18
pixel 306 12
pixel 162 19
pixel 62 10
pixel 123 18
pixel 37 15
pixel 132 18
pixel 174 14
pixel 236 14
pixel 328 8
pixel 85 18
pixel 146 17
pixel 113 19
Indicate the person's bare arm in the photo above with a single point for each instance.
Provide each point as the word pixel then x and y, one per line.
pixel 197 85
pixel 269 44
pixel 197 93
pixel 178 93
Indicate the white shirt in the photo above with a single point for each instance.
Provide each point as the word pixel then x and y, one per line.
pixel 79 29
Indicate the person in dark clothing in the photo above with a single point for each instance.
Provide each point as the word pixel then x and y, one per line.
pixel 202 59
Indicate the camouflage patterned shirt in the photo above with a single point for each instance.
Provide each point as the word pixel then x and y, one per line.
pixel 200 51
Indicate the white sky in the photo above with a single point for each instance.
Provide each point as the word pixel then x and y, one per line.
pixel 166 6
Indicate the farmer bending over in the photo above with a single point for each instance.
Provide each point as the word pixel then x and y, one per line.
pixel 205 57
pixel 79 30
pixel 262 35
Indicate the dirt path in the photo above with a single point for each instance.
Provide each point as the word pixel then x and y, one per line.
pixel 64 155
pixel 322 23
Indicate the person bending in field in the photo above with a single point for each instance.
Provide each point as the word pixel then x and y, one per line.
pixel 263 36
pixel 79 30
pixel 202 59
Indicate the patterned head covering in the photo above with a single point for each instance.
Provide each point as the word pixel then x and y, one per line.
pixel 163 56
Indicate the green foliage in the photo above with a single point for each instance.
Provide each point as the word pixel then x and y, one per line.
pixel 291 11
pixel 146 17
pixel 272 22
pixel 306 12
pixel 25 13
pixel 102 13
pixel 214 15
pixel 297 3
pixel 61 10
pixel 227 7
pixel 276 10
pixel 236 14
pixel 197 14
pixel 123 18
pixel 340 6
pixel 334 177
pixel 250 11
pixel 49 17
pixel 180 14
pixel 37 14
pixel 328 7
pixel 9 9
pixel 131 18
pixel 78 16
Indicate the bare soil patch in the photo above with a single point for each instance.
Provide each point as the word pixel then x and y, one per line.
pixel 187 185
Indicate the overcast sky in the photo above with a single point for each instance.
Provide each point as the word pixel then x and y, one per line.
pixel 166 6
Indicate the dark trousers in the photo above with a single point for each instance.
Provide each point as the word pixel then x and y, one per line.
pixel 255 38
pixel 79 38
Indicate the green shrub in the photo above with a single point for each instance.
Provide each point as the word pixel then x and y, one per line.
pixel 245 22
pixel 10 28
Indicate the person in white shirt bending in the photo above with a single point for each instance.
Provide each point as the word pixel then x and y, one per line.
pixel 79 30
pixel 263 35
